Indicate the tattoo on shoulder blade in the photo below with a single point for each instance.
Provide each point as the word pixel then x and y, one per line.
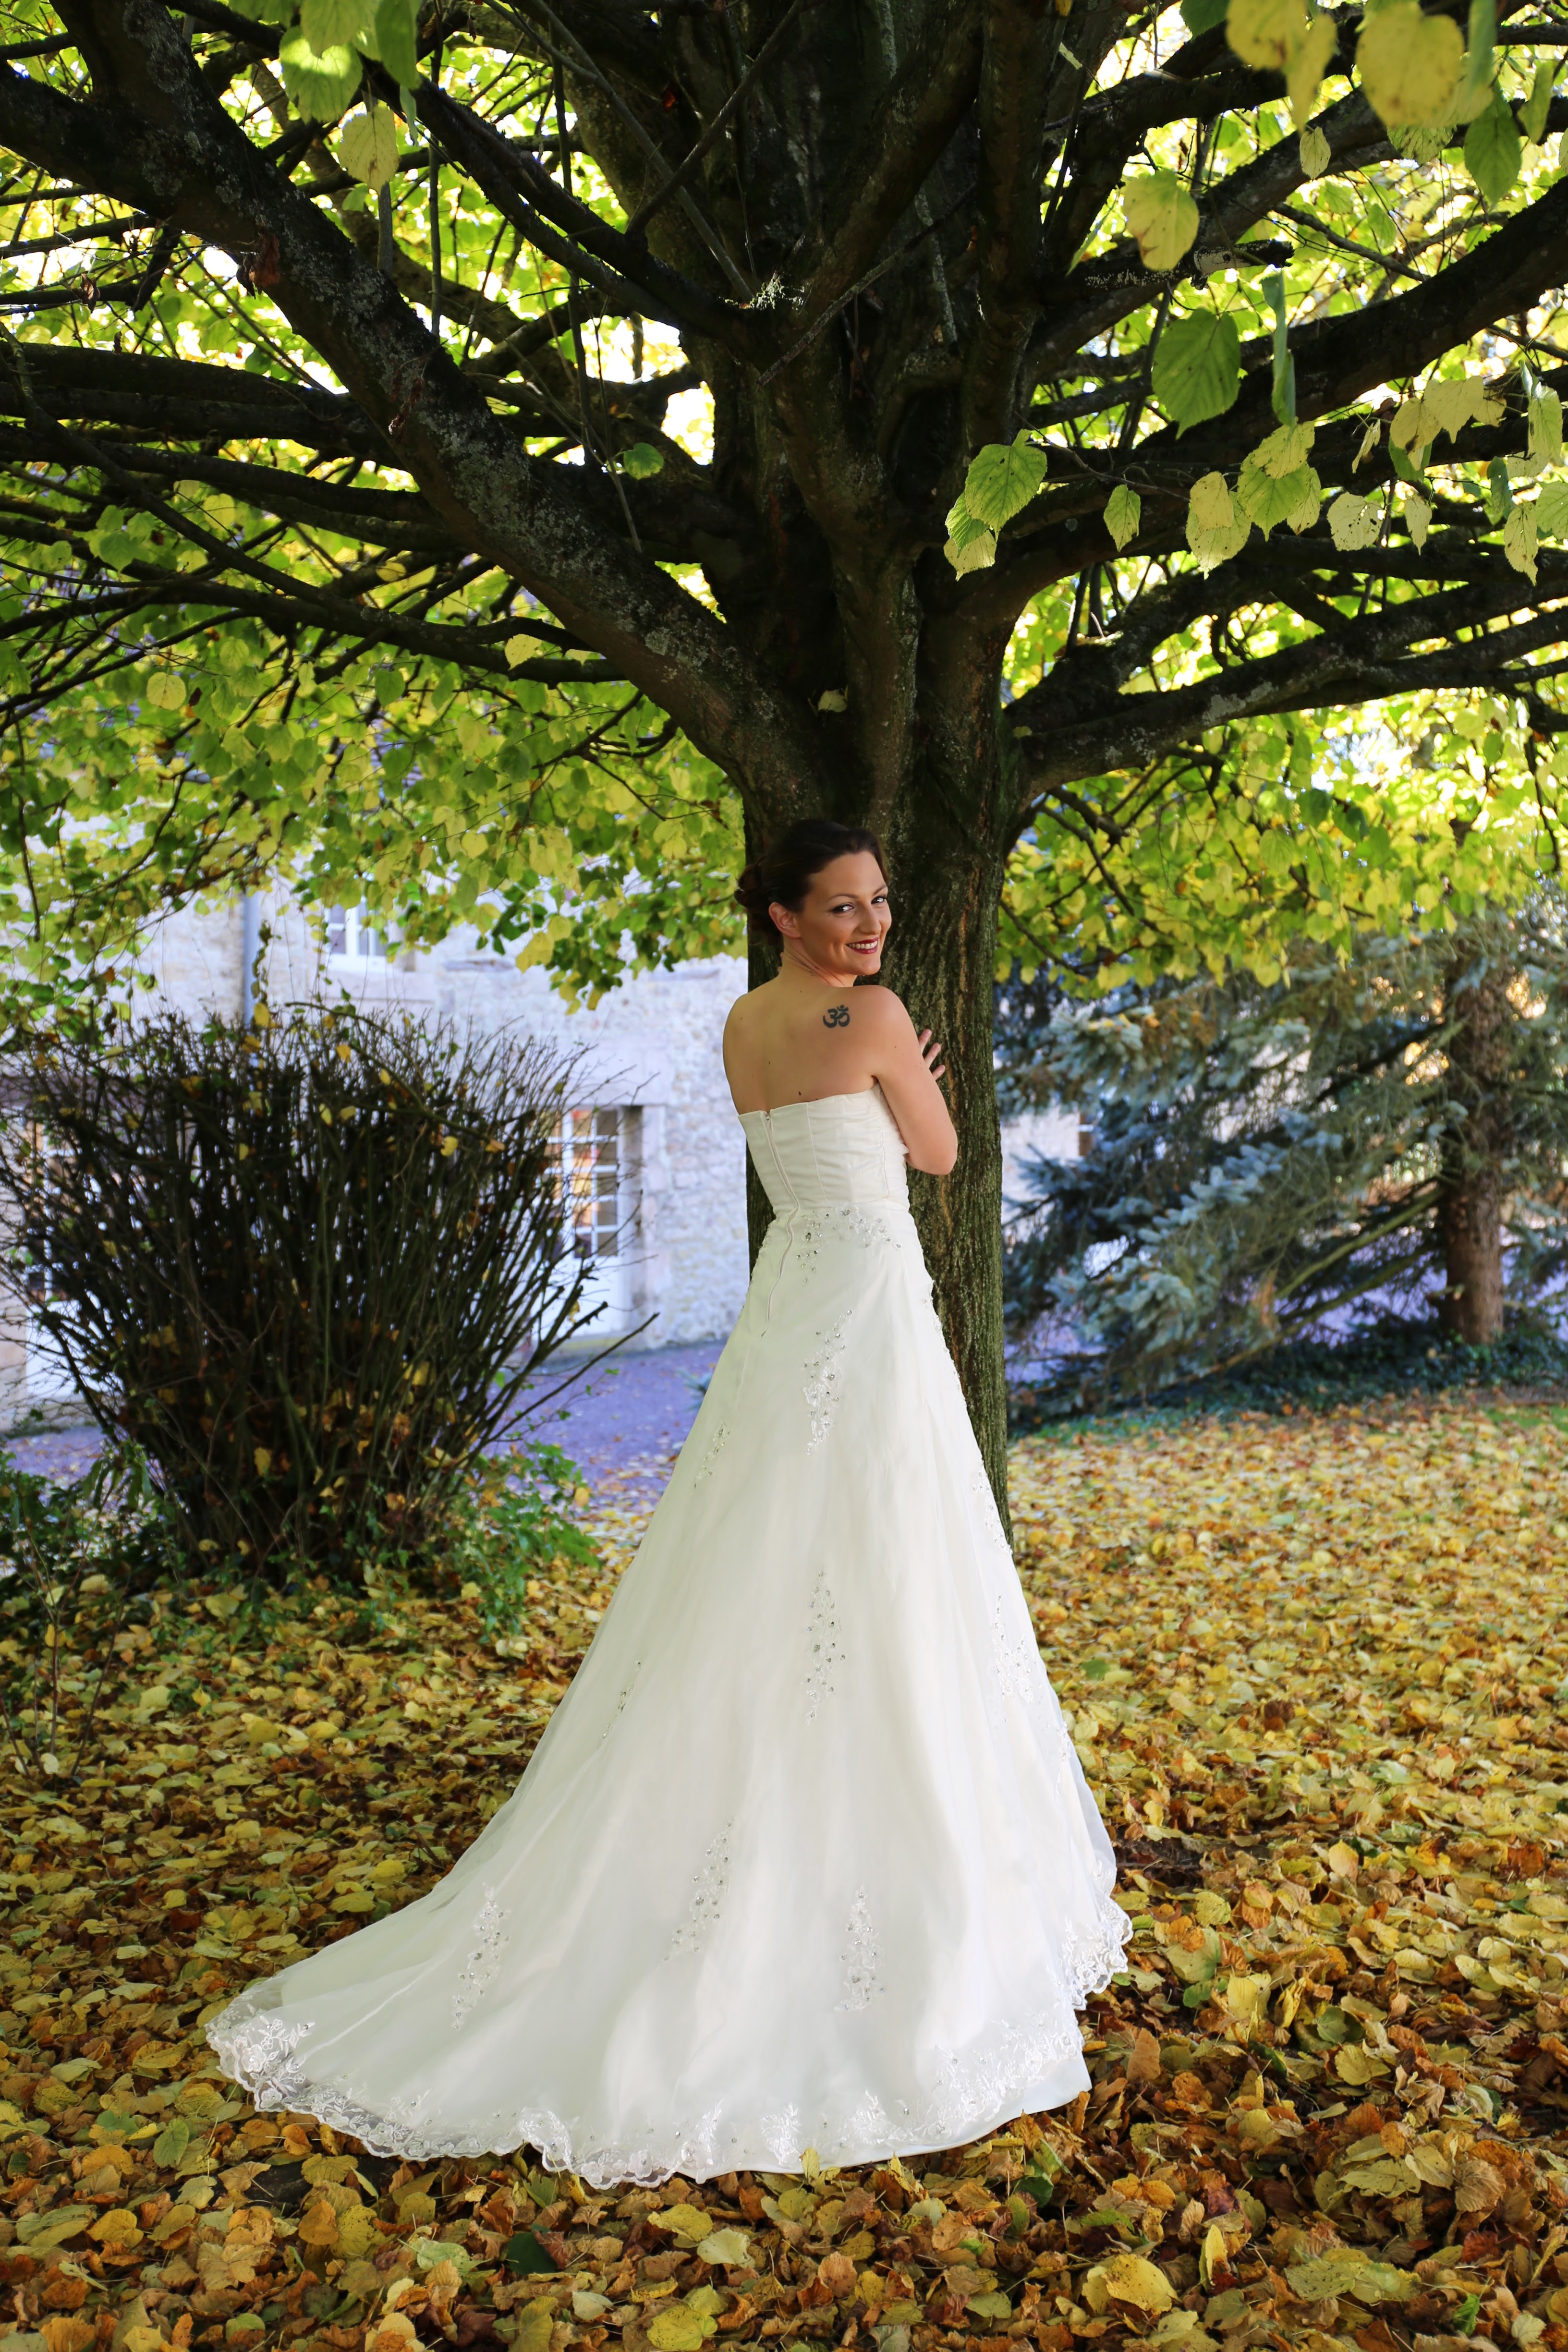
pixel 837 1018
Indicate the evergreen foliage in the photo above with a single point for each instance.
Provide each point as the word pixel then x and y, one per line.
pixel 1270 1162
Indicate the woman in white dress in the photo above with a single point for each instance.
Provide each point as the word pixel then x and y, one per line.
pixel 805 1858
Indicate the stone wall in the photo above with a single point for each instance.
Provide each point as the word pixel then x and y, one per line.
pixel 650 1049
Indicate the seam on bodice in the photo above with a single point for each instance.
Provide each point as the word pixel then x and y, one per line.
pixel 850 1151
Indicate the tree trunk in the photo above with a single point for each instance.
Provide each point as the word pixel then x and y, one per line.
pixel 941 959
pixel 1472 1182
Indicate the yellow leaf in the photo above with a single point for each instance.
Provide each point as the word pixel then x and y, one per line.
pixel 1266 33
pixel 1306 68
pixel 1286 450
pixel 1518 540
pixel 1209 503
pixel 1247 1996
pixel 1123 511
pixel 1316 153
pixel 533 2328
pixel 1354 523
pixel 725 2246
pixel 119 2228
pixel 368 146
pixel 1161 218
pixel 1410 63
pixel 263 1461
pixel 1418 518
pixel 679 2329
pixel 1128 2278
pixel 687 2221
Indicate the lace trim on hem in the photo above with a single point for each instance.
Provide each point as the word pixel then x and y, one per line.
pixel 256 2049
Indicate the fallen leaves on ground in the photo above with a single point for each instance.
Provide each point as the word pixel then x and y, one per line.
pixel 1317 1671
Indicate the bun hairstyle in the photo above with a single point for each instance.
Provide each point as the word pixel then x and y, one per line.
pixel 782 874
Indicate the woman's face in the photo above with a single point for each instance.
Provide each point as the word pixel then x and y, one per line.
pixel 844 917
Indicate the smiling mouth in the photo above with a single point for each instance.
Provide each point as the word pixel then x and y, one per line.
pixel 864 947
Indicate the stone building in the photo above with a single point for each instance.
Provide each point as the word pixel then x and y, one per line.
pixel 651 1144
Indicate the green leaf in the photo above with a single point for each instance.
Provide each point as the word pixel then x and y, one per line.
pixel 1284 393
pixel 524 2255
pixel 1492 151
pixel 1534 113
pixel 642 461
pixel 1266 500
pixel 320 84
pixel 332 24
pixel 1123 511
pixel 1001 480
pixel 1546 425
pixel 1552 510
pixel 1197 367
pixel 971 547
pixel 172 2141
pixel 1471 96
pixel 395 25
pixel 1199 14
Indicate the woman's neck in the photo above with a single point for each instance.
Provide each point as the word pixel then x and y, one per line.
pixel 799 966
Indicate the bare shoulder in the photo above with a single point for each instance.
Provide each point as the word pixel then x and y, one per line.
pixel 743 1013
pixel 881 1007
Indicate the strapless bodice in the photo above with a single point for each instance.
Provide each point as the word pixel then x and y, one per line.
pixel 824 1154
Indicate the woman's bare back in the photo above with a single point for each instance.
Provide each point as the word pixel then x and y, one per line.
pixel 790 1041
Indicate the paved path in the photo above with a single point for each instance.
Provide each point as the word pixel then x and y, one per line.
pixel 622 1423
pixel 628 1420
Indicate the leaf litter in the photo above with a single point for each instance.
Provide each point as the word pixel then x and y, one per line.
pixel 1317 1669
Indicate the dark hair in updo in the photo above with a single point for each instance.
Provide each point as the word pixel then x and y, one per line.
pixel 782 874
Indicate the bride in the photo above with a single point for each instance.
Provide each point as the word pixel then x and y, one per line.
pixel 804 1859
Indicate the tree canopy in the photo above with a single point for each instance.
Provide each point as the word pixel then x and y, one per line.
pixel 479 457
pixel 490 458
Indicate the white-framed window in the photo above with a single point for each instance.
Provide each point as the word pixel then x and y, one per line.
pixel 592 1149
pixel 352 937
pixel 586 1148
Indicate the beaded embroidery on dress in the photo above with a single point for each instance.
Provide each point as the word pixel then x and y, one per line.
pixel 805 1858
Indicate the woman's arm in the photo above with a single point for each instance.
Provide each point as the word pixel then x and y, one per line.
pixel 906 1068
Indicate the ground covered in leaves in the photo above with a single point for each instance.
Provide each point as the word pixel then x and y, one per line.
pixel 1318 1670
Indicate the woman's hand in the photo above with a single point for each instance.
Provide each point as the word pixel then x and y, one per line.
pixel 930 1048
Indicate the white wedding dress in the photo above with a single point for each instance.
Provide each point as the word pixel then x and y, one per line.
pixel 805 1858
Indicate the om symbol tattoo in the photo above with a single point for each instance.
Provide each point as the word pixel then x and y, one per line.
pixel 837 1018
